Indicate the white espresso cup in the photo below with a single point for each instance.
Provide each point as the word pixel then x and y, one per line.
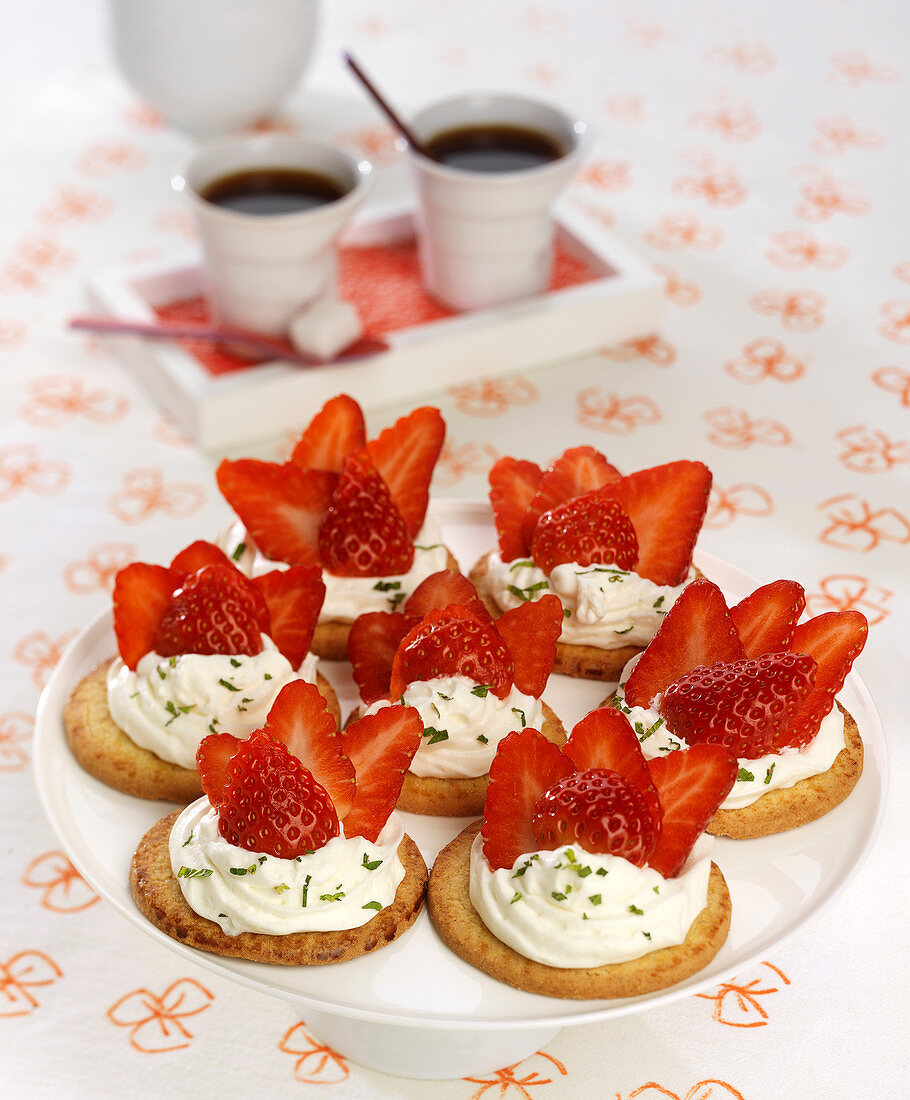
pixel 486 237
pixel 262 269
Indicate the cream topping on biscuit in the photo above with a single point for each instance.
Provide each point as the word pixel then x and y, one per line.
pixel 570 908
pixel 342 885
pixel 607 607
pixel 348 597
pixel 463 724
pixel 170 703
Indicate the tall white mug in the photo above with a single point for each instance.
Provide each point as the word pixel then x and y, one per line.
pixel 486 237
pixel 262 269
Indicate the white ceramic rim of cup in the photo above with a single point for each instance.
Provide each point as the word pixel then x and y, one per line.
pixel 575 129
pixel 270 151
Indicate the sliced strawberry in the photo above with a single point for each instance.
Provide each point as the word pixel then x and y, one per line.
pixel 744 705
pixel 213 758
pixel 531 632
pixel 834 641
pixel 697 630
pixel 452 642
pixel 442 588
pixel 271 804
pixel 335 432
pixel 525 766
pixel 299 720
pixel 513 485
pixel 691 784
pixel 381 747
pixel 363 534
pixel 667 506
pixel 599 811
pixel 372 644
pixel 590 530
pixel 215 611
pixel 198 554
pixel 281 506
pixel 141 595
pixel 405 456
pixel 766 619
pixel 605 739
pixel 577 471
pixel 294 599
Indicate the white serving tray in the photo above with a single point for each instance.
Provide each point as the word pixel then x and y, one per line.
pixel 625 301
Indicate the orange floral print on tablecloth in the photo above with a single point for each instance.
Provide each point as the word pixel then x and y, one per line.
pixel 457 460
pixel 738 1004
pixel 823 196
pixel 762 359
pixel 750 58
pixel 836 134
pixel 654 348
pixel 736 430
pixel 870 451
pixel 375 142
pixel 144 117
pixel 716 182
pixel 797 249
pixel 724 505
pixel 65 890
pixel 15 729
pixel 608 412
pixel 676 231
pixel 854 524
pixel 627 109
pixel 896 323
pixel 709 1089
pixel 156 1024
pixel 680 291
pixel 96 571
pixel 74 204
pixel 647 35
pixel 849 591
pixel 493 396
pixel 604 174
pixel 798 310
pixel 105 158
pixel 22 470
pixel 166 431
pixel 39 652
pixel 894 380
pixel 25 972
pixel 544 75
pixel 854 68
pixel 145 493
pixel 316 1063
pixel 902 271
pixel 508 1082
pixel 58 398
pixel 736 123
pixel 597 213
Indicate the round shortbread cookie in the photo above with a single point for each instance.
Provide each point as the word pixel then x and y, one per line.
pixel 458 797
pixel 583 662
pixel 109 754
pixel 330 638
pixel 810 798
pixel 160 899
pixel 461 929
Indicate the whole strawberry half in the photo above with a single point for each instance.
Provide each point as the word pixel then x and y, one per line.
pixel 513 485
pixel 372 644
pixel 214 612
pixel 744 705
pixel 577 471
pixel 335 432
pixel 405 455
pixel 363 534
pixel 271 804
pixel 142 593
pixel 601 812
pixel 452 642
pixel 591 530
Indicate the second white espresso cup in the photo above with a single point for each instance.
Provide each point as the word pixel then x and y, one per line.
pixel 263 269
pixel 486 237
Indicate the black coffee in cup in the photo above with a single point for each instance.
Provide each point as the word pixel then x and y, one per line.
pixel 494 147
pixel 266 191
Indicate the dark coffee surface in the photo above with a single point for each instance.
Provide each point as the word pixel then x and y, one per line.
pixel 494 148
pixel 271 191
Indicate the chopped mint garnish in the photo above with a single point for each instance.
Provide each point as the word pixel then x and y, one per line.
pixel 262 859
pixel 557 896
pixel 386 586
pixel 647 935
pixel 194 872
pixel 521 870
pixel 235 663
pixel 372 905
pixel 332 897
pixel 656 889
pixel 397 599
pixel 742 776
pixel 212 726
pixel 644 734
pixel 251 870
pixel 433 705
pixel 515 897
pixel 521 565
pixel 435 735
pixel 281 887
pixel 267 676
pixel 769 773
pixel 527 594
pixel 583 872
pixel 625 629
pixel 227 684
pixel 658 602
pixel 567 614
pixel 483 739
pixel 481 690
pixel 521 715
pixel 161 673
pixel 601 871
pixel 432 546
pixel 188 839
pixel 447 698
pixel 594 899
pixel 306 886
pixel 371 864
pixel 638 912
pixel 172 662
pixel 238 551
